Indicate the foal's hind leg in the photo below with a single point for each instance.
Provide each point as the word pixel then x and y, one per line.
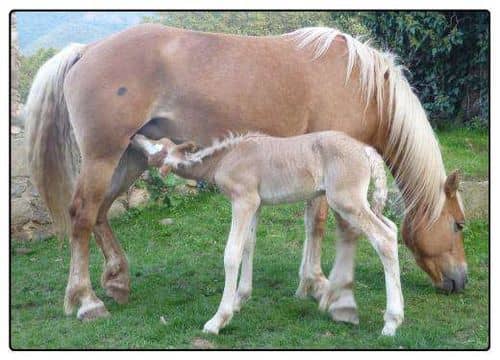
pixel 312 280
pixel 115 277
pixel 384 239
pixel 339 297
pixel 94 179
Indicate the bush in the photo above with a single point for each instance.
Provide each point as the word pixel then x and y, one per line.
pixel 28 67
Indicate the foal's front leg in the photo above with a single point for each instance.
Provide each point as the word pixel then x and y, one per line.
pixel 245 283
pixel 243 212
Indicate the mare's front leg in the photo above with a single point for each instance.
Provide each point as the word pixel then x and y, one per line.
pixel 312 280
pixel 339 297
pixel 115 276
pixel 243 211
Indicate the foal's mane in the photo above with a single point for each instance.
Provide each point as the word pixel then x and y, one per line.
pixel 217 146
pixel 412 150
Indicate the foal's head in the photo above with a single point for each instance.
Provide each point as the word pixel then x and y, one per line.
pixel 175 154
pixel 439 249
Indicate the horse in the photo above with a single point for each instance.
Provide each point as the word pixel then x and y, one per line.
pixel 253 170
pixel 167 82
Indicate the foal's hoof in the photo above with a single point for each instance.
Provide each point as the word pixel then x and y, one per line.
pixel 118 292
pixel 389 330
pixel 211 328
pixel 92 312
pixel 345 314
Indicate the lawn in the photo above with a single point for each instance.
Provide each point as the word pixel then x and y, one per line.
pixel 177 273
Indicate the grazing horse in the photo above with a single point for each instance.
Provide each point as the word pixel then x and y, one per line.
pixel 167 82
pixel 254 170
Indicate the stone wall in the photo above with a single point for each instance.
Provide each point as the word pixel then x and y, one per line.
pixel 29 218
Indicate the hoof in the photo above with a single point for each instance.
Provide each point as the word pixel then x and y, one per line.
pixel 92 312
pixel 389 330
pixel 345 314
pixel 118 292
pixel 301 293
pixel 211 328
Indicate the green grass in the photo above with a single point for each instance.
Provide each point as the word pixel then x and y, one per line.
pixel 177 273
pixel 467 151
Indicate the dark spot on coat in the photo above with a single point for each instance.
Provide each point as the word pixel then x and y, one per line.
pixel 121 91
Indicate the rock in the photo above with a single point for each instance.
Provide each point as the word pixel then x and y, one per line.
pixel 116 209
pixel 138 197
pixel 183 189
pixel 199 343
pixel 18 186
pixel 167 221
pixel 20 211
pixel 18 163
pixel 475 196
pixel 163 321
pixel 191 183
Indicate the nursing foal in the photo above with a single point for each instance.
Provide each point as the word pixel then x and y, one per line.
pixel 256 169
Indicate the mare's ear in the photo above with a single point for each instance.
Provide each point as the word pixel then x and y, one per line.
pixel 451 184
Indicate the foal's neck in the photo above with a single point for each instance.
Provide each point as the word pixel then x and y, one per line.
pixel 201 170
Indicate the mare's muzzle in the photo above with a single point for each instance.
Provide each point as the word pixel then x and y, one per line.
pixel 454 281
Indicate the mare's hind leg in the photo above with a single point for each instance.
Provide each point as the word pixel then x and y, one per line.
pixel 339 297
pixel 312 280
pixel 93 181
pixel 115 277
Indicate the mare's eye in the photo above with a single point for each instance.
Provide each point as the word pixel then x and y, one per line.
pixel 459 226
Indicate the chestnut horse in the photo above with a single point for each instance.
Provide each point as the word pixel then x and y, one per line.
pixel 166 82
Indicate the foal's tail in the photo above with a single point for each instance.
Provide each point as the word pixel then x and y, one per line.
pixel 379 177
pixel 53 155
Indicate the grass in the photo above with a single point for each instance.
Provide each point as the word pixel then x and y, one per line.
pixel 466 150
pixel 177 273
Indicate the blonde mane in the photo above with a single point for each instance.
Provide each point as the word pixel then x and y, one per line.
pixel 412 145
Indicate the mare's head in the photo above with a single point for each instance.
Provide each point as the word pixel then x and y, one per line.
pixel 439 248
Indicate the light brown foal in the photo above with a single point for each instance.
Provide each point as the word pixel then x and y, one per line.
pixel 255 170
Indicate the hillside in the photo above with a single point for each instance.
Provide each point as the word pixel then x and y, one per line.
pixel 57 29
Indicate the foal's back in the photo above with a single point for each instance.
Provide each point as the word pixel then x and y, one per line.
pixel 295 168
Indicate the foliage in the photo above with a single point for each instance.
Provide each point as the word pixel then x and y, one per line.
pixel 28 67
pixel 447 55
pixel 258 22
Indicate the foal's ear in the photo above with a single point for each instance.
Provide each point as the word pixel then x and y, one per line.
pixel 451 184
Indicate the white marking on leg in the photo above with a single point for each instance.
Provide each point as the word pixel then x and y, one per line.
pixel 240 229
pixel 245 283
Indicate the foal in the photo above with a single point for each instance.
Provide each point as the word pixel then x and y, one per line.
pixel 255 169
